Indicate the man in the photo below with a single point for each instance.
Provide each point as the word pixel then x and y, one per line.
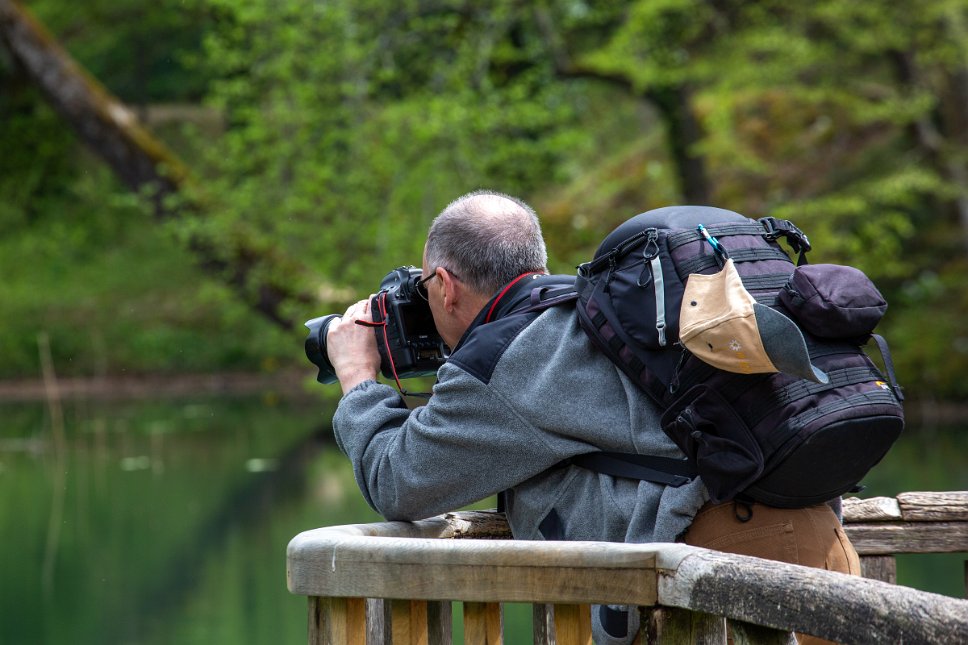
pixel 520 394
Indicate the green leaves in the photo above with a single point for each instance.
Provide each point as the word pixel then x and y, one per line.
pixel 344 127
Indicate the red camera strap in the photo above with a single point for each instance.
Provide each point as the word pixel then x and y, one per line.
pixel 490 312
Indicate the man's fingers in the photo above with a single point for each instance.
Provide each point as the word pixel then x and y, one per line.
pixel 357 310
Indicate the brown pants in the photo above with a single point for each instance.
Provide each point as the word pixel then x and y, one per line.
pixel 811 537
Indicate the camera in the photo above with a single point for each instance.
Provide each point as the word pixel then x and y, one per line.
pixel 406 336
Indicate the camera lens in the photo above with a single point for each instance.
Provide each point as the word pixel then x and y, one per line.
pixel 316 347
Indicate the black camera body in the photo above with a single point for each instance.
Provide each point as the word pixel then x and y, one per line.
pixel 406 336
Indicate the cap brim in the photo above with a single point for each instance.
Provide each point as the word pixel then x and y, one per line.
pixel 785 345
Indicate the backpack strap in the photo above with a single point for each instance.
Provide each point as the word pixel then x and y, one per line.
pixel 888 365
pixel 661 470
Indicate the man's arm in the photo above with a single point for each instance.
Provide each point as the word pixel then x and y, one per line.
pixel 466 444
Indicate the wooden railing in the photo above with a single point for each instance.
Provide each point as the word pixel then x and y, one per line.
pixel 394 582
pixel 881 527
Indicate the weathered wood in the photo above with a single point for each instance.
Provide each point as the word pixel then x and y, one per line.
pixel 543 623
pixel 883 538
pixel 463 524
pixel 362 561
pixel 483 623
pixel 672 626
pixel 874 509
pixel 378 619
pixel 440 623
pixel 935 506
pixel 573 624
pixel 879 567
pixel 477 524
pixel 336 621
pixel 821 603
pixel 325 562
pixel 316 627
pixel 749 634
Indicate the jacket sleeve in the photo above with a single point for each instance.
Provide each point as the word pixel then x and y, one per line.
pixel 466 444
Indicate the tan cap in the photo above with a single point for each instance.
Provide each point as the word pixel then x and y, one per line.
pixel 722 324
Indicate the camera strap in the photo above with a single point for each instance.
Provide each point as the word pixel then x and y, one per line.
pixel 381 301
pixel 490 312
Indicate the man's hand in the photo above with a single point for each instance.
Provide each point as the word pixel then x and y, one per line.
pixel 352 348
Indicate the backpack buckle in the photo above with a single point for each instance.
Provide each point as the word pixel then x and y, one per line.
pixel 796 238
pixel 777 227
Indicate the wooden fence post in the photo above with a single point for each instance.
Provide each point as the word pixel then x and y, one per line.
pixel 483 623
pixel 336 621
pixel 879 567
pixel 573 624
pixel 543 623
pixel 669 626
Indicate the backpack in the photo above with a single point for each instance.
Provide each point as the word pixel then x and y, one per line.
pixel 782 439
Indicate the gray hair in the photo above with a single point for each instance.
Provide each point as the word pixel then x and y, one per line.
pixel 486 239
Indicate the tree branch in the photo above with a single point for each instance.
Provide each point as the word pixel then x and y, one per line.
pixel 145 165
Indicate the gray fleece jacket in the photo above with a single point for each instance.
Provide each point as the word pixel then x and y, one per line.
pixel 519 394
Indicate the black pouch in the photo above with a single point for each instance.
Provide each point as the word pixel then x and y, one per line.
pixel 833 301
pixel 708 430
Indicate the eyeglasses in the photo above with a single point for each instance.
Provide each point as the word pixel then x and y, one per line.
pixel 421 285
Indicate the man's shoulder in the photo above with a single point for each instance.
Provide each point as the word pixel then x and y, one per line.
pixel 483 348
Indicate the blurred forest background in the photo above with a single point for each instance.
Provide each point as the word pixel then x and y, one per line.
pixel 309 145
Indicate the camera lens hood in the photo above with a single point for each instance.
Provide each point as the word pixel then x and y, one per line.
pixel 316 347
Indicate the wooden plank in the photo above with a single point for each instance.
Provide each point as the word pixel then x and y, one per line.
pixel 483 623
pixel 408 622
pixel 879 567
pixel 820 603
pixel 440 623
pixel 356 620
pixel 336 621
pixel 885 538
pixel 934 507
pixel 573 624
pixel 496 584
pixel 543 623
pixel 672 626
pixel 378 619
pixel 473 570
pixel 874 509
pixel 316 626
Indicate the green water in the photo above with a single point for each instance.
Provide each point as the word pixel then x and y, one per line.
pixel 167 522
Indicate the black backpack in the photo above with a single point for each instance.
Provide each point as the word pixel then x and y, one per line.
pixel 769 437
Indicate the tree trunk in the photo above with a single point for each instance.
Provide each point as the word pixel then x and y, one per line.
pixel 683 132
pixel 145 165
pixel 673 102
pixel 942 137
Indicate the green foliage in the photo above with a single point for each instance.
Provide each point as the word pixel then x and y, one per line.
pixel 349 125
pixel 142 52
pixel 352 128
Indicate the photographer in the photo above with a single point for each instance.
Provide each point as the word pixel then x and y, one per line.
pixel 520 394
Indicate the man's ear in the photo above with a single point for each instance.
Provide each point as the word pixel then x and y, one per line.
pixel 453 290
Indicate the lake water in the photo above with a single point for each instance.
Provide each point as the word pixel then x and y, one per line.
pixel 167 522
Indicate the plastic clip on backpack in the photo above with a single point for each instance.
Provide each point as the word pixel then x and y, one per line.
pixel 757 362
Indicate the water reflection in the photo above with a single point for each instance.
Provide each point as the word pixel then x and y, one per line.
pixel 167 522
pixel 162 523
